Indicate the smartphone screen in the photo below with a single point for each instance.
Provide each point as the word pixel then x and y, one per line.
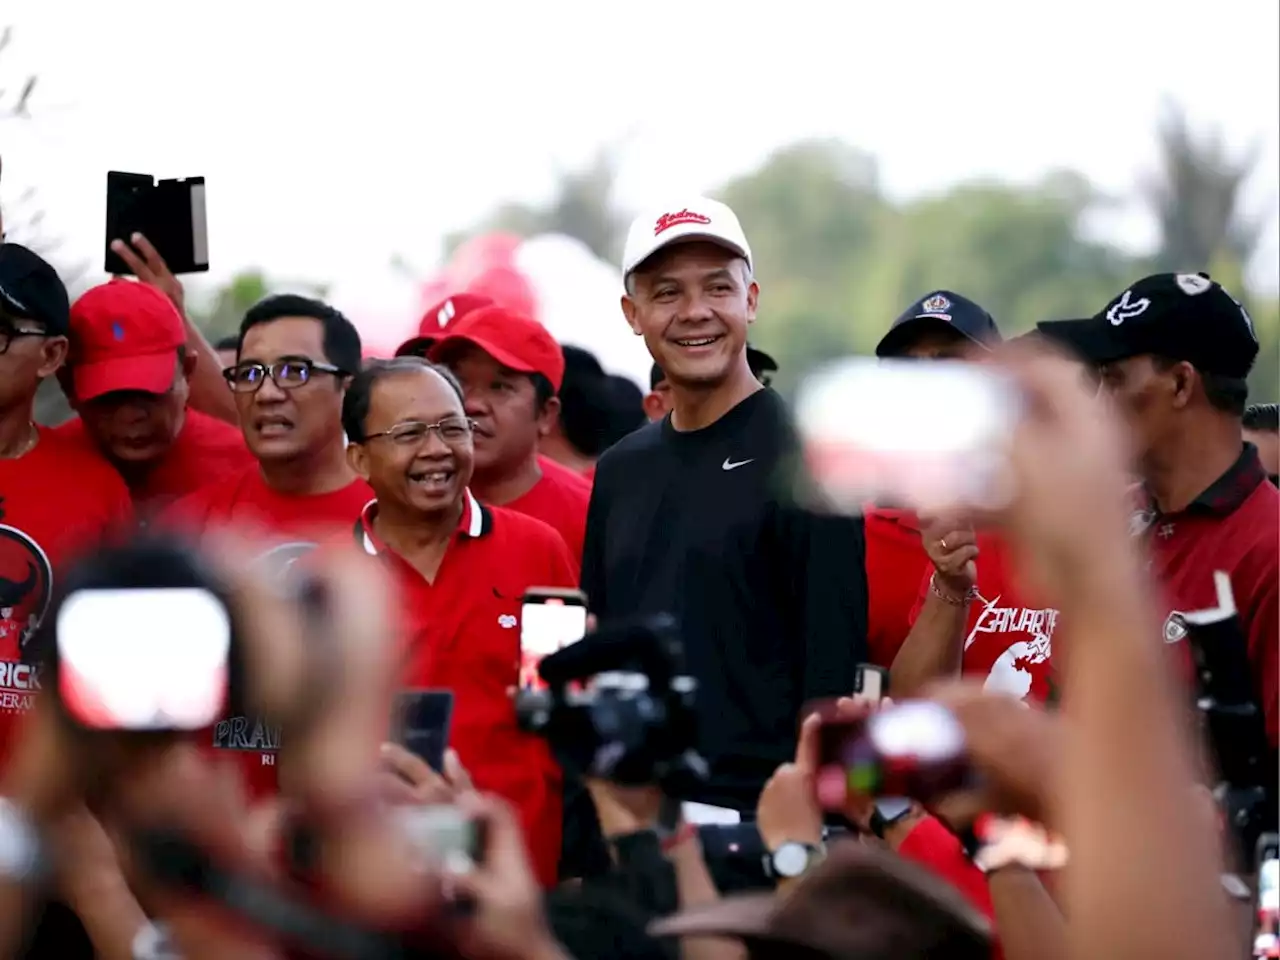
pixel 939 440
pixel 549 621
pixel 144 659
pixel 1266 938
pixel 422 724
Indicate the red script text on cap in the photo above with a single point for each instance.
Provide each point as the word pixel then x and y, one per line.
pixel 669 220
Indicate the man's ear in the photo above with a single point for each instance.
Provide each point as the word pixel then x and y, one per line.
pixel 753 298
pixel 1184 381
pixel 548 417
pixel 358 459
pixel 53 356
pixel 629 311
pixel 188 363
pixel 654 408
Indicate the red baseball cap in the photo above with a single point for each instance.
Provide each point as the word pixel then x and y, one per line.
pixel 514 340
pixel 431 327
pixel 124 336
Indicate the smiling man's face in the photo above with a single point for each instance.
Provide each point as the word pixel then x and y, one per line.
pixel 692 303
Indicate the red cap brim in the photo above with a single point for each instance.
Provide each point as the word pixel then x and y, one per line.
pixel 508 360
pixel 150 373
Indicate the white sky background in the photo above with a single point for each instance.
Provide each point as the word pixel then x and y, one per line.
pixel 334 140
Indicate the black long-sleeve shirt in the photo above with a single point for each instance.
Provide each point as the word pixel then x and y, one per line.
pixel 770 599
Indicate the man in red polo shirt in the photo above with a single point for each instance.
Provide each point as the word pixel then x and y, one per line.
pixel 295 356
pixel 128 367
pixel 1174 351
pixel 968 610
pixel 511 369
pixel 462 569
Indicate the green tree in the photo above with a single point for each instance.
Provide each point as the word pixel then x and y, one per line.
pixel 837 261
pixel 1197 197
pixel 219 314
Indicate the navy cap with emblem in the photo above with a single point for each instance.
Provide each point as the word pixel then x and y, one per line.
pixel 940 310
pixel 31 289
pixel 1181 316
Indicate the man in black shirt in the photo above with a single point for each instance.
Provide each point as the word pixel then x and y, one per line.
pixel 691 515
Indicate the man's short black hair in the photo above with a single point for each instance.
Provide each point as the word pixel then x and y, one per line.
pixel 542 390
pixel 1225 394
pixel 355 404
pixel 1263 418
pixel 342 345
pixel 230 342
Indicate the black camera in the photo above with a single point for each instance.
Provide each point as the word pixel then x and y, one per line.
pixel 1233 720
pixel 620 706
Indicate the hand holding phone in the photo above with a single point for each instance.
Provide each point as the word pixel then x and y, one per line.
pixel 421 725
pixel 171 214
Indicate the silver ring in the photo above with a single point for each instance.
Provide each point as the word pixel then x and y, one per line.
pixel 943 543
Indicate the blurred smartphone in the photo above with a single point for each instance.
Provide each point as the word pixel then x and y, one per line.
pixel 926 436
pixel 169 213
pixel 444 834
pixel 870 683
pixel 1266 936
pixel 144 659
pixel 422 724
pixel 550 620
pixel 914 749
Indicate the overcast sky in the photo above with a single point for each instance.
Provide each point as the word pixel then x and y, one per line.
pixel 334 141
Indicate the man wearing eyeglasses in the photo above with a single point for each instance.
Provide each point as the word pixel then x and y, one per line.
pixel 462 568
pixel 293 358
pixel 129 369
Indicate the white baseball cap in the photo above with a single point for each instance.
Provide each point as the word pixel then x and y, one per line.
pixel 698 219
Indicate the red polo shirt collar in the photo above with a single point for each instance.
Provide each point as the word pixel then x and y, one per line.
pixel 1223 496
pixel 475 522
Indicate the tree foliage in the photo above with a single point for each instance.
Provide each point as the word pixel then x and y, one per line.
pixel 838 260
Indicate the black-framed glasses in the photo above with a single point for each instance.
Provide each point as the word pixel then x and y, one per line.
pixel 285 374
pixel 9 333
pixel 452 430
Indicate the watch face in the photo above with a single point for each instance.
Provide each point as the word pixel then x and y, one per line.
pixel 790 860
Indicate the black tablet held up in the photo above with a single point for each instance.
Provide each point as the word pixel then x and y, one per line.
pixel 169 213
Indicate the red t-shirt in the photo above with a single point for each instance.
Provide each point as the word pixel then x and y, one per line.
pixel 206 451
pixel 1231 527
pixel 1007 641
pixel 462 633
pixel 559 499
pixel 292 525
pixel 56 502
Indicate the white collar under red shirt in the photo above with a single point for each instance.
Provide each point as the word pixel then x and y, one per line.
pixel 475 522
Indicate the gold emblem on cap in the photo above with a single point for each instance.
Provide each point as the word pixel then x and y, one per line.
pixel 936 304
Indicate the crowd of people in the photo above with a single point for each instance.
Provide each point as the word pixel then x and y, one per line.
pixel 430 490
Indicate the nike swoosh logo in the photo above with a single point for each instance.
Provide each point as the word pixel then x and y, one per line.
pixel 730 465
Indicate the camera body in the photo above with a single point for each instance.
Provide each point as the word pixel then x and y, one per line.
pixel 619 706
pixel 1233 720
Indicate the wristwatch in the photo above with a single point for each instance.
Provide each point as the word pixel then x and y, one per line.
pixel 888 811
pixel 21 852
pixel 793 859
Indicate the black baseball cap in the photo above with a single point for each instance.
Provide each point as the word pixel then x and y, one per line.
pixel 760 362
pixel 30 288
pixel 940 309
pixel 1182 316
